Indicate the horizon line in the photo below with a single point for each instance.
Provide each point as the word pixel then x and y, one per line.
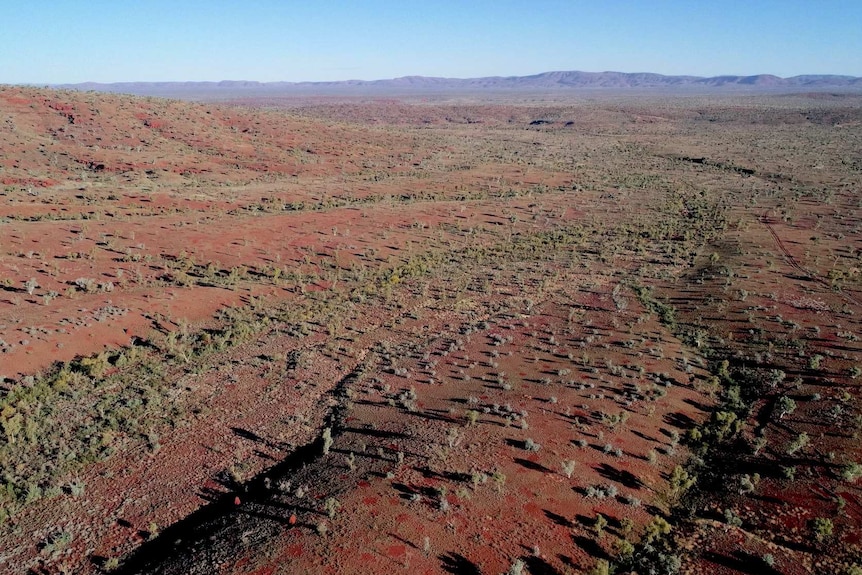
pixel 454 78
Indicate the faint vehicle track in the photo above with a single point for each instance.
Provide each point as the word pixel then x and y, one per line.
pixel 764 219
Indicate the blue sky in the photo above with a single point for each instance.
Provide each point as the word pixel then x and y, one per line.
pixel 60 41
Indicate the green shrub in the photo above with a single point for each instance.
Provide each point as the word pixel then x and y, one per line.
pixel 656 528
pixel 600 524
pixel 331 506
pixel 822 527
pixel 785 406
pixel 326 436
pixel 851 471
pixel 624 549
pixel 602 567
pixel 802 440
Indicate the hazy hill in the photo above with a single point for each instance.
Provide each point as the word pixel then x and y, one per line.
pixel 572 80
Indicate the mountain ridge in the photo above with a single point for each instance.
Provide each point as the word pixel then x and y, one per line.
pixel 553 80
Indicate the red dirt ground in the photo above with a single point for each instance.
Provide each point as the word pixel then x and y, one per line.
pixel 376 247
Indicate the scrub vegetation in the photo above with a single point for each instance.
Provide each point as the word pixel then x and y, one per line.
pixel 498 335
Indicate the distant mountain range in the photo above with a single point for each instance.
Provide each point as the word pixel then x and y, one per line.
pixel 547 81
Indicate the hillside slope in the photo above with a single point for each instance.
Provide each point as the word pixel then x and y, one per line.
pixel 375 334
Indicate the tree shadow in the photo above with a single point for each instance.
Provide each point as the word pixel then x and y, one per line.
pixel 374 432
pixel 457 564
pixel 742 562
pixel 99 561
pixel 680 420
pixel 697 405
pixel 456 476
pixel 566 560
pixel 795 545
pixel 431 416
pixel 532 465
pixel 181 541
pixel 557 518
pixel 402 540
pixel 263 455
pixel 408 491
pixel 590 546
pixel 251 436
pixel 538 566
pixel 405 491
pixel 625 478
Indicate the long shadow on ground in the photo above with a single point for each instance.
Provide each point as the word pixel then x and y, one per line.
pixel 182 547
pixel 252 511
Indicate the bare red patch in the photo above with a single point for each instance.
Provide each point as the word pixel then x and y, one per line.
pixel 295 550
pixel 396 551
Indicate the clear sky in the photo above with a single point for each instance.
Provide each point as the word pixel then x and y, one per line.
pixel 66 41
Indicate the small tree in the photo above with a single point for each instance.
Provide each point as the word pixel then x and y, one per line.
pixel 815 362
pixel 748 483
pixel 602 567
pixel 851 471
pixel 785 406
pixel 600 524
pixel 472 417
pixel 624 549
pixel 680 482
pixel 327 440
pixel 822 527
pixel 732 518
pixel 517 568
pixel 331 505
pixel 799 443
pixel 656 528
pixel 626 525
pixel 759 444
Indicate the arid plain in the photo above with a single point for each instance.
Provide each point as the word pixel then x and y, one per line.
pixel 571 333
